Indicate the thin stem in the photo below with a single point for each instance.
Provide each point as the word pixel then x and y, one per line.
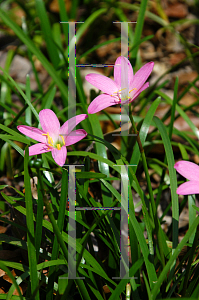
pixel 60 221
pixel 54 224
pixel 57 232
pixel 154 212
pixel 39 220
pixel 195 243
pixel 144 161
pixel 52 219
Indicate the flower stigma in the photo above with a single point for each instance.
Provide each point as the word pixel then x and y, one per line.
pixel 62 139
pixel 63 143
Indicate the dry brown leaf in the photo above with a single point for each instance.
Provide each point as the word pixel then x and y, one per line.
pixel 3 229
pixel 7 277
pixel 176 10
pixel 2 291
pixel 2 273
pixel 16 292
pixel 106 289
pixel 54 6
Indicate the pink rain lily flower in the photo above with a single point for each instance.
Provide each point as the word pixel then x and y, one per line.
pixel 190 171
pixel 53 137
pixel 123 89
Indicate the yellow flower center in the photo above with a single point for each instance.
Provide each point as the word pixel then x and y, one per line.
pixel 50 141
pixel 119 94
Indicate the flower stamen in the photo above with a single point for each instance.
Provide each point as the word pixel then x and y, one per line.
pixel 50 140
pixel 58 146
pixel 132 90
pixel 118 91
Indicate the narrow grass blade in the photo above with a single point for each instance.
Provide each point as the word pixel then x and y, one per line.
pixel 121 286
pixel 46 30
pixel 175 98
pixel 149 14
pixel 27 41
pixel 192 214
pixel 3 267
pixel 28 115
pixel 25 29
pixel 21 92
pixel 143 133
pixel 173 258
pixel 39 219
pixel 101 150
pixel 139 27
pixel 95 266
pixel 145 251
pixel 47 100
pixel 30 229
pixel 60 222
pixel 63 18
pixel 5 88
pixel 15 146
pixel 15 134
pixel 181 112
pixel 173 178
pixel 183 152
pixel 89 21
pixel 94 48
pixel 173 185
pixel 147 286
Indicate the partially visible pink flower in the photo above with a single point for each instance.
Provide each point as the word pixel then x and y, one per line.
pixel 190 171
pixel 53 137
pixel 123 89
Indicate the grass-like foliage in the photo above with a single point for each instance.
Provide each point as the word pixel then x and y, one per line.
pixel 62 207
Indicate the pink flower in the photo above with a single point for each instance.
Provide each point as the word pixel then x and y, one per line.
pixel 53 137
pixel 122 89
pixel 190 171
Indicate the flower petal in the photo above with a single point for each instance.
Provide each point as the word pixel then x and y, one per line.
pixel 38 149
pixel 34 133
pixel 49 122
pixel 101 102
pixel 75 136
pixel 188 188
pixel 59 156
pixel 103 83
pixel 69 125
pixel 123 62
pixel 188 170
pixel 135 93
pixel 141 76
